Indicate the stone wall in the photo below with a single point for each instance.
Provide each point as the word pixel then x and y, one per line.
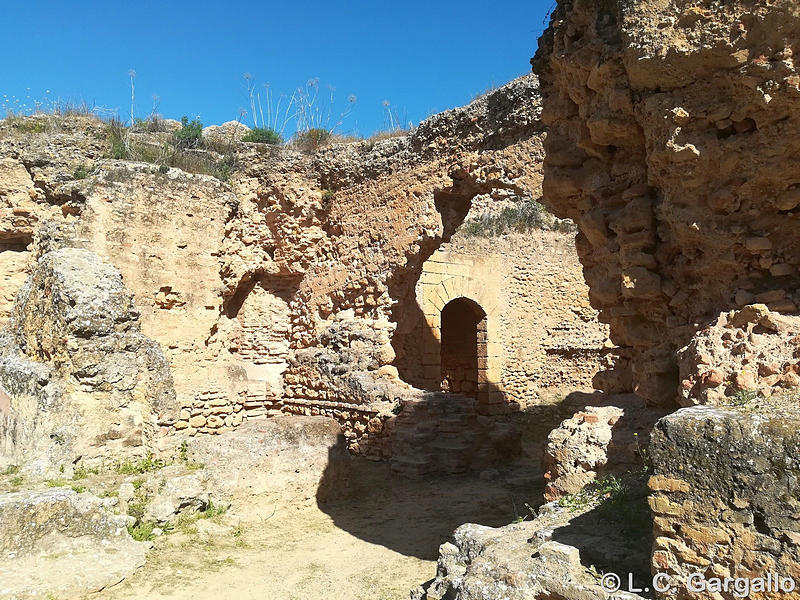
pixel 726 496
pixel 293 286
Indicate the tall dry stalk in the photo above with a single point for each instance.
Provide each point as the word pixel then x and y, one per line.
pixel 132 75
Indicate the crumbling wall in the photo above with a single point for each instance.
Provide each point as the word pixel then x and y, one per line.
pixel 671 143
pixel 354 227
pixel 291 287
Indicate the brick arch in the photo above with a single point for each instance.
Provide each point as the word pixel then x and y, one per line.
pixel 490 357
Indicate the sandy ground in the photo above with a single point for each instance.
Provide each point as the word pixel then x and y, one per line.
pixel 376 545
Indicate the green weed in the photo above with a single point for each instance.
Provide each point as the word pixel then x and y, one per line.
pixel 142 531
pixel 82 172
pixel 263 135
pixel 143 465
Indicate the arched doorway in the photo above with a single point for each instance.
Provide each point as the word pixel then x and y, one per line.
pixel 463 346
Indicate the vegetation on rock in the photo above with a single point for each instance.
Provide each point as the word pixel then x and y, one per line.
pixel 263 135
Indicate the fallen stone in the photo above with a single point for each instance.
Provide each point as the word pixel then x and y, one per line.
pixel 286 456
pixel 548 557
pixel 178 494
pixel 57 543
pixel 597 440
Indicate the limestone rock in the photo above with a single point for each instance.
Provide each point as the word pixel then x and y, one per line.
pixel 177 494
pixel 227 133
pixel 608 438
pixel 300 457
pixel 725 486
pixel 84 547
pixel 749 350
pixel 81 381
pixel 544 558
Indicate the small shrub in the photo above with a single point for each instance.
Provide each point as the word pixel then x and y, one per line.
pixel 25 124
pixel 183 451
pixel 213 511
pixel 190 134
pixel 225 167
pixel 81 172
pixel 143 465
pixel 621 500
pixel 136 509
pixel 184 150
pixel 17 480
pixel 116 134
pixel 82 473
pixel 744 397
pixel 524 216
pixel 11 470
pixel 263 135
pixel 152 124
pixel 56 483
pixel 78 489
pixel 183 456
pixel 142 531
pixel 328 195
pixel 313 139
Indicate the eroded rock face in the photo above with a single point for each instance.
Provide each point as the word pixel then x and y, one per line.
pixel 726 494
pixel 286 457
pixel 672 143
pixel 84 546
pixel 78 378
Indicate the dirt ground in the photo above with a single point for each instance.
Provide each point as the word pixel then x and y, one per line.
pixel 376 545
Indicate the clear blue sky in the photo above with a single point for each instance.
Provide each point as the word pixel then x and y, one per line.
pixel 420 56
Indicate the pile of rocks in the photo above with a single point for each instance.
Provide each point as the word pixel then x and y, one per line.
pixel 750 350
pixel 610 437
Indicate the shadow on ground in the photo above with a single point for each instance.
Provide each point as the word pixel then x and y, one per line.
pixel 415 516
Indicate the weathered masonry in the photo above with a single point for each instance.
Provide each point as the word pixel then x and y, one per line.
pixel 506 320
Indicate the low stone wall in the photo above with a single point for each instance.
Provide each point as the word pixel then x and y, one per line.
pixel 726 493
pixel 364 428
pixel 215 411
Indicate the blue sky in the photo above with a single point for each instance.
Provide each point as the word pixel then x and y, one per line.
pixel 420 56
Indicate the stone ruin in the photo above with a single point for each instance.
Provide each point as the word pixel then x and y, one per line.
pixel 336 284
pixel 342 284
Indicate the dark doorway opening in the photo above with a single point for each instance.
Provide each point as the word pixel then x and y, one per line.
pixel 463 346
